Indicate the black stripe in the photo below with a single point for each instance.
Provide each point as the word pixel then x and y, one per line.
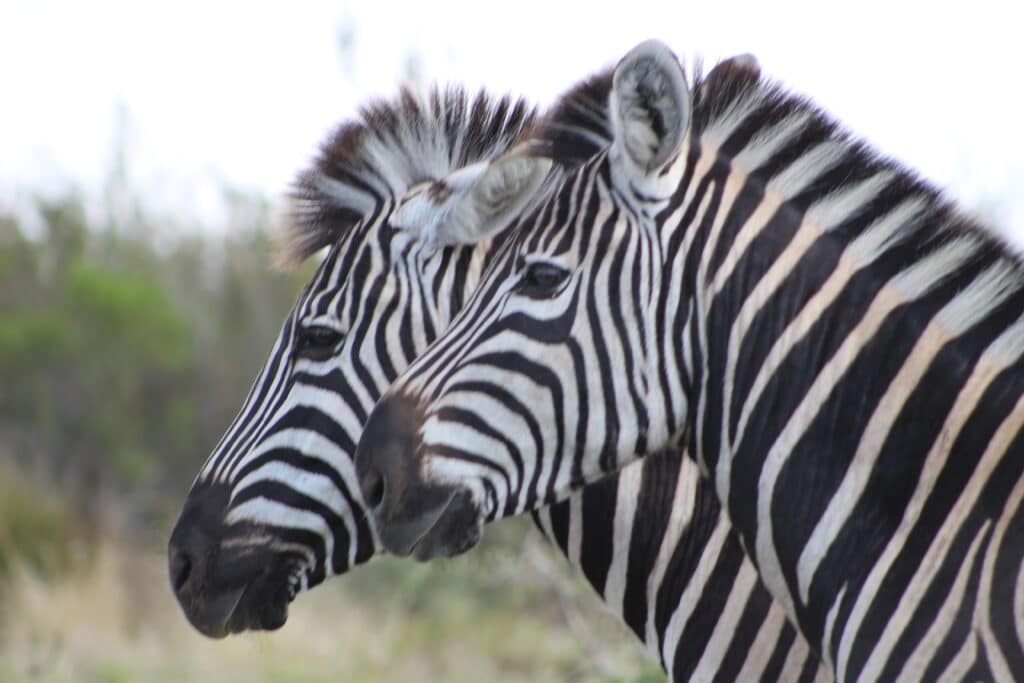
pixel 755 611
pixel 786 641
pixel 959 467
pixel 597 521
pixel 711 603
pixel 658 483
pixel 747 200
pixel 1008 564
pixel 560 525
pixel 281 493
pixel 683 563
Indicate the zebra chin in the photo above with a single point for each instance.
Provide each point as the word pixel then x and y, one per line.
pixel 427 532
pixel 228 579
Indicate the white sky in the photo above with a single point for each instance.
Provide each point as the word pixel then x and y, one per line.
pixel 241 93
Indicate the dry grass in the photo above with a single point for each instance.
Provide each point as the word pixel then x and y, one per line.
pixel 113 619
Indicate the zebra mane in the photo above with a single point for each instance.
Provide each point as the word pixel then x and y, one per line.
pixel 801 152
pixel 391 146
pixel 579 124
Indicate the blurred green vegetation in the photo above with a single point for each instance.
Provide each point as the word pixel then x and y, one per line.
pixel 127 344
pixel 124 351
pixel 36 526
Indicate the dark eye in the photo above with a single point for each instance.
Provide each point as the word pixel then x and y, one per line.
pixel 317 342
pixel 542 280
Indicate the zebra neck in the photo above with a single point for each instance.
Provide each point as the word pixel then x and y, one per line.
pixel 845 329
pixel 654 544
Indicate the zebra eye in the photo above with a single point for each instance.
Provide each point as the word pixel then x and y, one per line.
pixel 542 280
pixel 317 342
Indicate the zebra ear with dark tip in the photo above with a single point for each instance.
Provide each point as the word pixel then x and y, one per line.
pixel 472 204
pixel 650 105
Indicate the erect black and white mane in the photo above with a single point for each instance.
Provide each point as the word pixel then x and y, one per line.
pixel 802 153
pixel 393 145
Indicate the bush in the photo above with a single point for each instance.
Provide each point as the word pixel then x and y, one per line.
pixel 36 525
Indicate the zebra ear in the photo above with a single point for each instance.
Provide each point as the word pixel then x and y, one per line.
pixel 472 204
pixel 745 61
pixel 427 206
pixel 650 105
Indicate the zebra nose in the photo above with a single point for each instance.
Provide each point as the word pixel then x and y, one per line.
pixel 384 459
pixel 373 487
pixel 193 540
pixel 180 568
pixel 413 515
pixel 188 553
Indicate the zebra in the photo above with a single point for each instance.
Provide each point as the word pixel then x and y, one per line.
pixel 277 510
pixel 836 344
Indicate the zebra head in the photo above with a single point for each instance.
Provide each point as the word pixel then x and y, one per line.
pixel 552 376
pixel 276 509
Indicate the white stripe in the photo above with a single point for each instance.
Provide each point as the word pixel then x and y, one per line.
pixel 962 662
pixel 919 280
pixel 922 579
pixel 913 667
pixel 768 141
pixel 303 395
pixel 272 513
pixel 831 210
pixel 965 404
pixel 724 123
pixel 725 626
pixel 983 609
pixel 765 642
pixel 694 589
pixel 753 227
pixel 572 552
pixel 955 318
pixel 343 194
pixel 806 169
pixel 754 302
pixel 830 625
pixel 683 503
pixel 625 511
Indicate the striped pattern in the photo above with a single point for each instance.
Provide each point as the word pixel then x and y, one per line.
pixel 287 457
pixel 655 545
pixel 670 566
pixel 838 346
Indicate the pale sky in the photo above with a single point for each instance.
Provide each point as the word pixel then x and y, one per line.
pixel 241 92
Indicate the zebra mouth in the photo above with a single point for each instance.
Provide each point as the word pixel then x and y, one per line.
pixel 241 591
pixel 261 605
pixel 294 584
pixel 450 529
pixel 264 602
pixel 229 579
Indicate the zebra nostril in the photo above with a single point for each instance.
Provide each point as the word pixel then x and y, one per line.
pixel 180 569
pixel 373 488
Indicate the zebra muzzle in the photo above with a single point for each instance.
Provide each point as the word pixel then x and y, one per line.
pixel 225 585
pixel 413 516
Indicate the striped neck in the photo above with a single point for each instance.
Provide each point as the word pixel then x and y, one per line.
pixel 830 289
